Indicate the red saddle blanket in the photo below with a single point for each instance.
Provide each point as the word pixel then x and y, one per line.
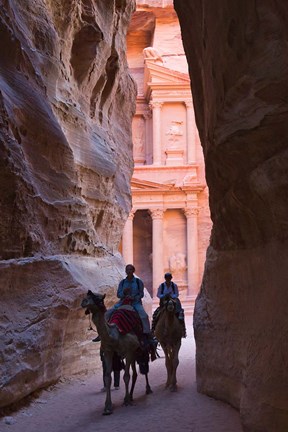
pixel 127 320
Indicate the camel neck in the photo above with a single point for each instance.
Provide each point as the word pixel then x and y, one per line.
pixel 100 323
pixel 170 316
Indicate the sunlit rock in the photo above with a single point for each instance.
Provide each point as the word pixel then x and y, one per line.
pixel 66 106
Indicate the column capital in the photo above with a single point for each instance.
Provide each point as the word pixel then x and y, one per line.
pixel 147 114
pixel 155 104
pixel 131 215
pixel 188 103
pixel 191 211
pixel 156 213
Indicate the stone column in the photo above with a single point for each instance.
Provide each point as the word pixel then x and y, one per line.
pixel 139 139
pixel 127 239
pixel 148 148
pixel 192 251
pixel 191 135
pixel 156 109
pixel 157 248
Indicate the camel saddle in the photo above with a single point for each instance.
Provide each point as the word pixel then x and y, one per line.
pixel 127 320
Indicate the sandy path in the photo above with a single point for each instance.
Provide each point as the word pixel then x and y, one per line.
pixel 77 405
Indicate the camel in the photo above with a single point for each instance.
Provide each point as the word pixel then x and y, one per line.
pixel 169 332
pixel 126 346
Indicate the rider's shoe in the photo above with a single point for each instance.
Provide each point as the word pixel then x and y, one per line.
pixel 152 343
pixel 184 334
pixel 97 339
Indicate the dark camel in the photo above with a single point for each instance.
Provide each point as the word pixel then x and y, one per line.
pixel 126 346
pixel 169 332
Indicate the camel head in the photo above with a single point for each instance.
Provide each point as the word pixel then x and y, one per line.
pixel 169 304
pixel 93 302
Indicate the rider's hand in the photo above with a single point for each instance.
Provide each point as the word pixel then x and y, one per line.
pixel 127 292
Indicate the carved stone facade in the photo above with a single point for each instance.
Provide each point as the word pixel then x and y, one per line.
pixel 171 224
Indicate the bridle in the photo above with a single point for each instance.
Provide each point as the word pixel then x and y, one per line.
pixel 168 302
pixel 99 302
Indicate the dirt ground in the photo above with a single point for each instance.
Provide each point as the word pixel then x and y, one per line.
pixel 76 405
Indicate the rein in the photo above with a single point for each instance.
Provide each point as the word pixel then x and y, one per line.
pixel 90 324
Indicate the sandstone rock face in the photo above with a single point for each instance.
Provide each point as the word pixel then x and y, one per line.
pixel 238 60
pixel 66 106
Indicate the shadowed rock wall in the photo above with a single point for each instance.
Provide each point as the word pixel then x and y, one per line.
pixel 66 106
pixel 238 60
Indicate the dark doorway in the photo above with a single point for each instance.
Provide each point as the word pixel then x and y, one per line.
pixel 142 247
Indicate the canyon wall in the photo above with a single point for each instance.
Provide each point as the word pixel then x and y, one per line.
pixel 66 107
pixel 238 61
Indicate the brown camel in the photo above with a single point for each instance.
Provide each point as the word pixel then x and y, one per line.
pixel 126 346
pixel 169 332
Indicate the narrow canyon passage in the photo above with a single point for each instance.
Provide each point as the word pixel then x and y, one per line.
pixel 77 405
pixel 94 96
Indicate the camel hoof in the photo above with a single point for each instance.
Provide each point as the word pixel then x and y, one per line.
pixel 149 391
pixel 173 388
pixel 107 412
pixel 128 402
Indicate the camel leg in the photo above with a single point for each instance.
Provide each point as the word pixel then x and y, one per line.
pixel 148 388
pixel 126 378
pixel 134 379
pixel 107 378
pixel 167 364
pixel 175 363
pixel 170 366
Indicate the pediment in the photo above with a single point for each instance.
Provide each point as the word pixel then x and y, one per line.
pixel 144 185
pixel 158 74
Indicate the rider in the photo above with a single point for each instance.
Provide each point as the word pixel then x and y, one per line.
pixel 169 289
pixel 133 287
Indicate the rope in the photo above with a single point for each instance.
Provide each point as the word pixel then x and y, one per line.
pixel 90 325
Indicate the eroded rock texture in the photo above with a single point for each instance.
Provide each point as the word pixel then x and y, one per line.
pixel 238 59
pixel 66 104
